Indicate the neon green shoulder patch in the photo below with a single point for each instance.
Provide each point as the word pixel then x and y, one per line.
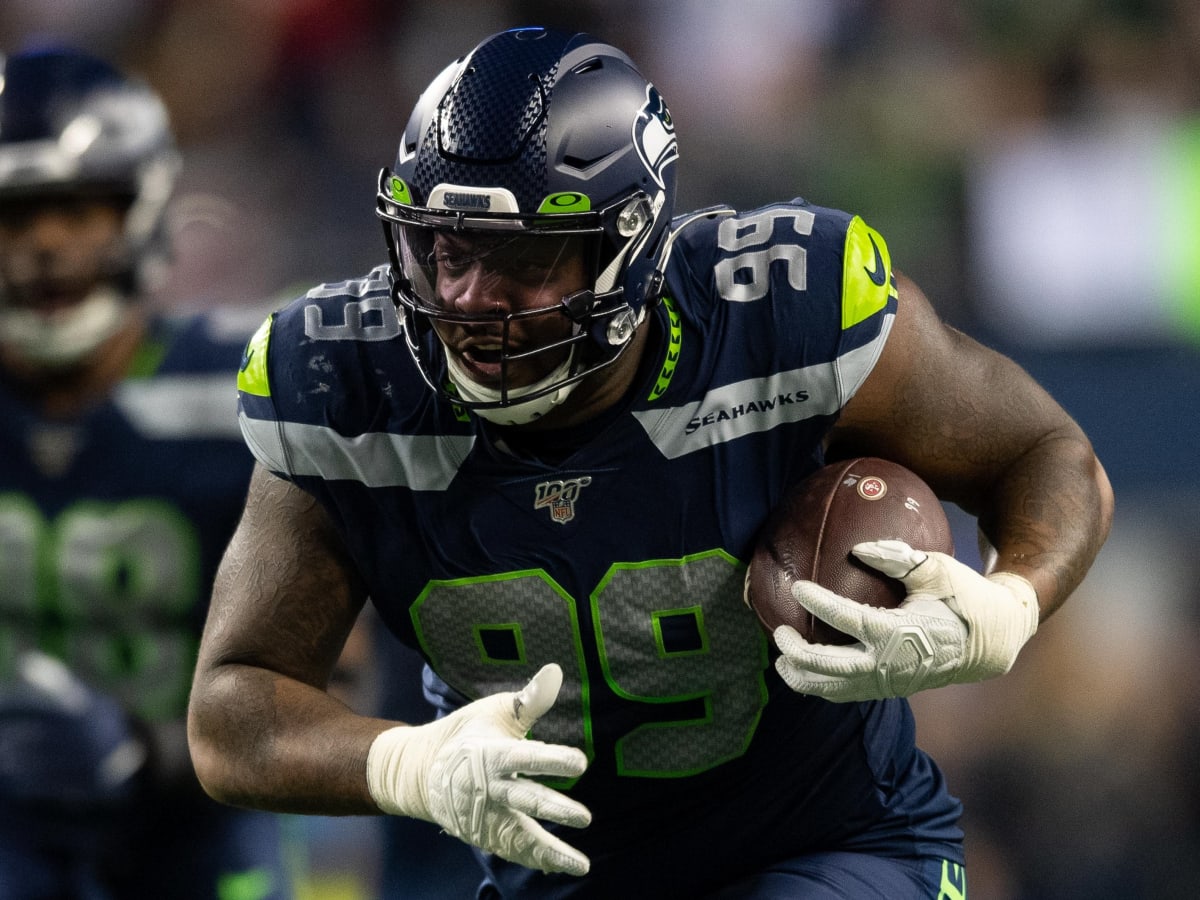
pixel 252 375
pixel 866 273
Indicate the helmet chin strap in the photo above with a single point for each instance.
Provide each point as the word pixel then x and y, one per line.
pixel 518 412
pixel 62 338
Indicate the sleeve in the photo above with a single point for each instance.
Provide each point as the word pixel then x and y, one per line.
pixel 317 388
pixel 827 278
pixel 868 305
pixel 257 416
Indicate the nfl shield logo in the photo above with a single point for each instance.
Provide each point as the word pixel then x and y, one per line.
pixel 559 497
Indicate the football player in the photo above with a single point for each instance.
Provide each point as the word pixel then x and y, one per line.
pixel 123 478
pixel 542 439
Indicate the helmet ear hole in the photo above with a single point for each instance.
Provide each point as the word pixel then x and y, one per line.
pixel 620 328
pixel 633 218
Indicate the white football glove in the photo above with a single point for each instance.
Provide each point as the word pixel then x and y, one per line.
pixel 954 626
pixel 463 772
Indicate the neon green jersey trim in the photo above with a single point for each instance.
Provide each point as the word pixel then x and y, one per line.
pixel 252 376
pixel 954 882
pixel 147 359
pixel 674 343
pixel 866 274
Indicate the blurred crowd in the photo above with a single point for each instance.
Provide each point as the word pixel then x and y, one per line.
pixel 1077 769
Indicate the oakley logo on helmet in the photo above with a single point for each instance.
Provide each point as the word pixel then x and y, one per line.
pixel 654 135
pixel 565 202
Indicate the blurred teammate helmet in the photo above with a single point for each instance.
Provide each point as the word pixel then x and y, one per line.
pixel 534 137
pixel 74 128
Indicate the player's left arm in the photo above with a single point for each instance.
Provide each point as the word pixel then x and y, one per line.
pixel 985 436
pixel 988 438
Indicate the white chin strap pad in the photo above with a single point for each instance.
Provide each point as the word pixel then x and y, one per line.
pixel 518 412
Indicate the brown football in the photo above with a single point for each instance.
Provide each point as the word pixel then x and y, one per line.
pixel 810 533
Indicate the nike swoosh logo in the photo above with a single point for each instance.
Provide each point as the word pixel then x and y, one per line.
pixel 878 276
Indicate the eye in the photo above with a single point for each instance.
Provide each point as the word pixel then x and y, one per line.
pixel 453 263
pixel 536 259
pixel 532 265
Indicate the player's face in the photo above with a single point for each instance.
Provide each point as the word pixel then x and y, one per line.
pixel 55 251
pixel 502 282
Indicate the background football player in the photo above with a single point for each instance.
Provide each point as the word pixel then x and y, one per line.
pixel 542 441
pixel 122 480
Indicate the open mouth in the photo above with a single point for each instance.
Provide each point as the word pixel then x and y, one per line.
pixel 482 361
pixel 484 354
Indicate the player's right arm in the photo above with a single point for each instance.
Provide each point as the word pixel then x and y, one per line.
pixel 265 733
pixel 262 729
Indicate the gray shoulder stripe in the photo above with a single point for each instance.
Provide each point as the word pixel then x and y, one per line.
pixel 759 404
pixel 181 407
pixel 854 367
pixel 265 442
pixel 375 459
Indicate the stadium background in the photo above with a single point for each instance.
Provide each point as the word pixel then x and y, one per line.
pixel 1034 166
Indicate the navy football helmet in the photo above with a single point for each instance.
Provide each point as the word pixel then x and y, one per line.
pixel 536 146
pixel 73 127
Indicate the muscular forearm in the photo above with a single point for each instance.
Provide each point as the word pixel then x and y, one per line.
pixel 262 729
pixel 988 438
pixel 1048 515
pixel 262 740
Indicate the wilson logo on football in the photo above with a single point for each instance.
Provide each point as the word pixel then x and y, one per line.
pixel 559 497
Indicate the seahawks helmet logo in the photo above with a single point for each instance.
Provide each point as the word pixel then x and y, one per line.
pixel 654 135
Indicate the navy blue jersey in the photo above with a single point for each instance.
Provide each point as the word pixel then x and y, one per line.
pixel 623 558
pixel 112 524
